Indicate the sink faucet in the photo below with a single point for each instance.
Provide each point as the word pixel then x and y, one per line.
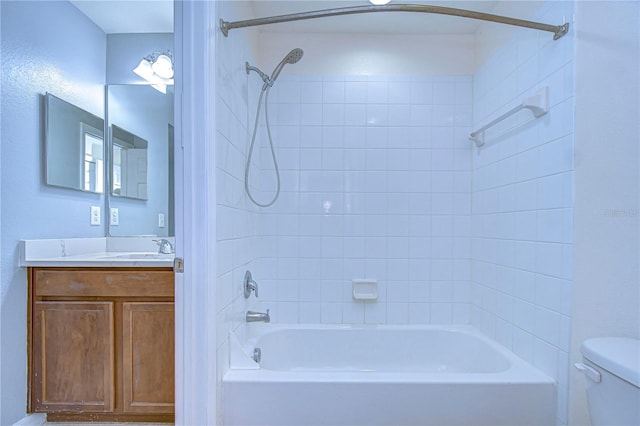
pixel 253 316
pixel 164 246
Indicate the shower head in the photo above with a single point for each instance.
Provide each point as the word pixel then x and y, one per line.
pixel 292 57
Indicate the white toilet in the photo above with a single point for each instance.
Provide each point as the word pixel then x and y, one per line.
pixel 612 367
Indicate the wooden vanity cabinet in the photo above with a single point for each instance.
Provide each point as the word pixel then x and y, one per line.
pixel 101 344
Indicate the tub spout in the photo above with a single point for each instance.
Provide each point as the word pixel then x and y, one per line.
pixel 253 316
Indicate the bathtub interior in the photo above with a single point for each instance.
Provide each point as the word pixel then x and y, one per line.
pixel 370 348
pixel 425 349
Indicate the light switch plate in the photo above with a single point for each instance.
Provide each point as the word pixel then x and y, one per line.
pixel 160 220
pixel 95 215
pixel 114 216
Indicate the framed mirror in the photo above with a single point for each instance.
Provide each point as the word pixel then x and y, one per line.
pixel 140 123
pixel 74 147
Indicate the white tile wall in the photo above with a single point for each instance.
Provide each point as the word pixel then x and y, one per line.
pixel 375 184
pixel 380 181
pixel 236 219
pixel 522 201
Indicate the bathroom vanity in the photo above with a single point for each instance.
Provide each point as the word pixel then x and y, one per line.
pixel 101 338
pixel 101 343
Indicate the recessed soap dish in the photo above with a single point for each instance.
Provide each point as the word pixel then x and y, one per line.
pixel 365 289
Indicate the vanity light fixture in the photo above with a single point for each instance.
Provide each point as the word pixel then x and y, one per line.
pixel 157 69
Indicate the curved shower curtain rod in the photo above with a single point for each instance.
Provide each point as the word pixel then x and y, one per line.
pixel 557 30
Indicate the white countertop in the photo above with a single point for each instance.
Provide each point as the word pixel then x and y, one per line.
pixel 137 252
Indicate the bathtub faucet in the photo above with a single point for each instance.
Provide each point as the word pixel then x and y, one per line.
pixel 253 316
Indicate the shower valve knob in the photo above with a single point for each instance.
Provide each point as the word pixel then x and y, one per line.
pixel 249 285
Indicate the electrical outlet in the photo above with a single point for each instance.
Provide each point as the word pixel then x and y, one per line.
pixel 95 215
pixel 114 216
pixel 160 220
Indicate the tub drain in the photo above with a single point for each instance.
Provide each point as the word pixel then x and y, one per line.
pixel 257 354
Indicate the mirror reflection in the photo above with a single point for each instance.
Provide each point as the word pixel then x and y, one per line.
pixel 140 122
pixel 74 145
pixel 129 160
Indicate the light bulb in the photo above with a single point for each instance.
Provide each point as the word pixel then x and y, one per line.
pixel 163 66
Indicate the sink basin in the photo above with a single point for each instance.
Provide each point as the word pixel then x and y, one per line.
pixel 140 256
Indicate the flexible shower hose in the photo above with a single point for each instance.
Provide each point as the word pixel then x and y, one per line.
pixel 265 93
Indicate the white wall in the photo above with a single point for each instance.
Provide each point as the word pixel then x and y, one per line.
pixel 369 54
pixel 195 290
pixel 522 200
pixel 606 297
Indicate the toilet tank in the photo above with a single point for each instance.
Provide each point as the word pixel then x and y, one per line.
pixel 613 385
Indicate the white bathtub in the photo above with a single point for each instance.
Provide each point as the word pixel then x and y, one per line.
pixel 381 375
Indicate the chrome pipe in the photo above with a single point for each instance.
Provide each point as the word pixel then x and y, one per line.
pixel 557 30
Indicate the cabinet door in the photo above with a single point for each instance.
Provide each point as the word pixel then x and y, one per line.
pixel 148 357
pixel 73 353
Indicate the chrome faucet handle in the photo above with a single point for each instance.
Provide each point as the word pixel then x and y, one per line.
pixel 164 246
pixel 249 285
